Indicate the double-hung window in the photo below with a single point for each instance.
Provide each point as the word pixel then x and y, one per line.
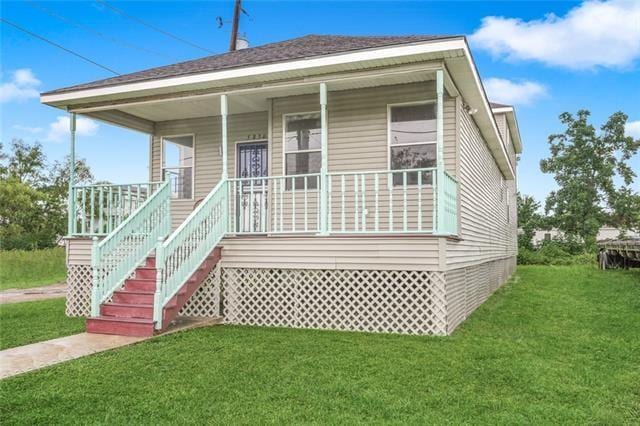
pixel 302 148
pixel 412 140
pixel 177 165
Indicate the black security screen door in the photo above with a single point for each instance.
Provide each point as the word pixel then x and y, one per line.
pixel 252 160
pixel 252 196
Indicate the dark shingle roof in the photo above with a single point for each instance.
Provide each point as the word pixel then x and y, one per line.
pixel 297 48
pixel 497 105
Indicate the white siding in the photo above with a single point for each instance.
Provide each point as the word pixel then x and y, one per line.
pixel 486 233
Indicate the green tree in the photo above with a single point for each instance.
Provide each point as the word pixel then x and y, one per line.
pixel 528 219
pixel 584 164
pixel 625 210
pixel 33 196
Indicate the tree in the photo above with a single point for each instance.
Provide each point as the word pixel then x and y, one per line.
pixel 584 164
pixel 528 219
pixel 625 210
pixel 33 196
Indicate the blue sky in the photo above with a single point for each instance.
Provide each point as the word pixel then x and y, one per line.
pixel 585 55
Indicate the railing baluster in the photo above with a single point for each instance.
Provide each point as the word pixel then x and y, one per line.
pixel 390 189
pixel 251 206
pixel 404 201
pixel 283 185
pixel 84 212
pixel 364 204
pixel 93 195
pixel 376 188
pixel 120 206
pixel 355 202
pixel 240 207
pixel 342 208
pixel 306 219
pixel 293 204
pixel 109 211
pixel 419 201
pixel 329 204
pixel 101 211
pixel 263 207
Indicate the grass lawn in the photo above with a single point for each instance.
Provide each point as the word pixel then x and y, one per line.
pixel 29 322
pixel 25 269
pixel 556 345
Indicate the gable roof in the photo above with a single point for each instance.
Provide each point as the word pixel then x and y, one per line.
pixel 497 105
pixel 297 48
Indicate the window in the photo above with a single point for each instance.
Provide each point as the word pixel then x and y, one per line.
pixel 302 148
pixel 412 140
pixel 177 165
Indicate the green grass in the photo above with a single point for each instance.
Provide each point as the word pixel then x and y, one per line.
pixel 29 322
pixel 31 268
pixel 557 345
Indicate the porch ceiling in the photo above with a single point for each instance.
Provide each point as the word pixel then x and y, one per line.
pixel 207 105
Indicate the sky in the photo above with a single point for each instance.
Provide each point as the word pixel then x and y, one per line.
pixel 543 57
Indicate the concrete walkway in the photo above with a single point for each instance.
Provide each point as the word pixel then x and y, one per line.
pixel 38 355
pixel 17 295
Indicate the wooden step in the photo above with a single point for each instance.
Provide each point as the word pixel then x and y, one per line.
pixel 126 310
pixel 121 326
pixel 140 284
pixel 146 272
pixel 133 297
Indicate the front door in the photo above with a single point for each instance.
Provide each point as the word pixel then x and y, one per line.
pixel 251 194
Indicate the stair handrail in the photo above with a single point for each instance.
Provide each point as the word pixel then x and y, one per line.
pixel 115 258
pixel 182 253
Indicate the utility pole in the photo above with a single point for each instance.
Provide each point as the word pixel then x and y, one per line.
pixel 234 25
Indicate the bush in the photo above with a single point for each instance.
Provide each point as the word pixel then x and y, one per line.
pixel 554 255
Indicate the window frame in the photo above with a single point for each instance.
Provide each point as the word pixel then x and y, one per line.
pixel 390 145
pixel 193 164
pixel 284 145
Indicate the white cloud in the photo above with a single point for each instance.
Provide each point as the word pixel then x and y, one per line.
pixel 27 129
pixel 22 86
pixel 633 129
pixel 513 92
pixel 593 34
pixel 59 129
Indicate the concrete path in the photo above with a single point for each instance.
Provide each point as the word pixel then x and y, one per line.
pixel 17 295
pixel 38 355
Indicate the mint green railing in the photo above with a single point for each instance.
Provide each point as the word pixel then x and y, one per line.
pixel 449 219
pixel 187 247
pixel 117 256
pixel 98 209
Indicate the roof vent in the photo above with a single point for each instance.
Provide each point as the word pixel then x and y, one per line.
pixel 242 42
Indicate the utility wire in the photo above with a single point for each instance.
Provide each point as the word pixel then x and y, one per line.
pixel 90 30
pixel 153 27
pixel 32 34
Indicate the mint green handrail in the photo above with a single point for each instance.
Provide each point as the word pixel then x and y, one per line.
pixel 187 247
pixel 120 253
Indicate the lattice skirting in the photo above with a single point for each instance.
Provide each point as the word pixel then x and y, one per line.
pixel 467 288
pixel 408 302
pixel 205 302
pixel 78 291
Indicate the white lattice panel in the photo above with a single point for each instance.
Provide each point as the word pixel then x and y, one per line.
pixel 409 302
pixel 205 302
pixel 467 288
pixel 78 290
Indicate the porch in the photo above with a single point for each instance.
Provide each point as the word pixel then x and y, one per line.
pixel 267 190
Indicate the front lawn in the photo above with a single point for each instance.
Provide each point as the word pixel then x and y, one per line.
pixel 556 345
pixel 31 268
pixel 29 322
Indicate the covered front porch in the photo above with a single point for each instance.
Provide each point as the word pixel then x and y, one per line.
pixel 293 172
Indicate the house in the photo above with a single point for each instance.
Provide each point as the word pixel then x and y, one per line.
pixel 335 182
pixel 604 233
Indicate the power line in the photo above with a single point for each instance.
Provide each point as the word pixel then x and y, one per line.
pixel 32 34
pixel 153 27
pixel 88 29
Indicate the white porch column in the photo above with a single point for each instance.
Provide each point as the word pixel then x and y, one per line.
pixel 72 173
pixel 439 193
pixel 224 110
pixel 324 167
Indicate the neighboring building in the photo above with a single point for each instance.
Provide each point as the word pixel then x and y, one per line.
pixel 605 233
pixel 355 183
